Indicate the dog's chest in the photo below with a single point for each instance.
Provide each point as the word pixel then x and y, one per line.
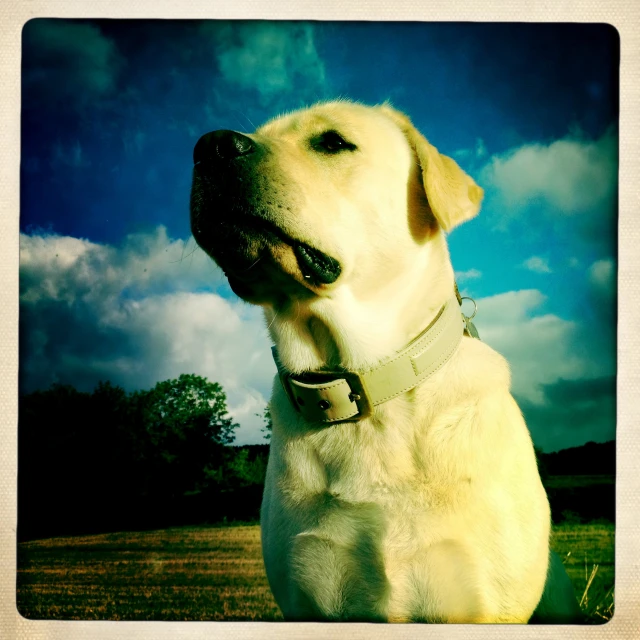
pixel 354 463
pixel 356 506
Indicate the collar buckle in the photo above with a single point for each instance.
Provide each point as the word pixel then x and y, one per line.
pixel 328 396
pixel 359 393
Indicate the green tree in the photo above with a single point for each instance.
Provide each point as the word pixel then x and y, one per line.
pixel 244 469
pixel 188 427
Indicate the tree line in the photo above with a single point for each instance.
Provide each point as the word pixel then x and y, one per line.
pixel 112 461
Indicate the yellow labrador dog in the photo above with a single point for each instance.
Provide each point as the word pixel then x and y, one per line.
pixel 402 483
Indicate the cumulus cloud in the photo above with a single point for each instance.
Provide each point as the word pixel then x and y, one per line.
pixel 538 346
pixel 64 268
pixel 537 264
pixel 67 63
pixel 135 314
pixel 272 58
pixel 551 374
pixel 571 175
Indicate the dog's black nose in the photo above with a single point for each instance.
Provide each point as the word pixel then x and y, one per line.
pixel 222 145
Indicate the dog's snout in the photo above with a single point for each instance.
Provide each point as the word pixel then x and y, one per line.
pixel 222 145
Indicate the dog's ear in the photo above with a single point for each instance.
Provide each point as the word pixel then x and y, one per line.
pixel 453 195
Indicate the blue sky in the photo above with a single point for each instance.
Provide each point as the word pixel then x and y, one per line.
pixel 113 286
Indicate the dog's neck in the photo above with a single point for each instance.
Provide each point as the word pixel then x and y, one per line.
pixel 356 331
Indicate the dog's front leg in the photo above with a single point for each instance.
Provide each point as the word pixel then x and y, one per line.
pixel 333 581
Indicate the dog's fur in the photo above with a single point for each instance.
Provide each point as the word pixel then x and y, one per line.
pixel 432 509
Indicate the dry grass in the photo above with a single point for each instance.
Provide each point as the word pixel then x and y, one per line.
pixel 215 573
pixel 172 574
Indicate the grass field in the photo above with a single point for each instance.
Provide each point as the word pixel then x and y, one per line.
pixel 587 551
pixel 216 573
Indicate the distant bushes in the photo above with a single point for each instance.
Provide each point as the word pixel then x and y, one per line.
pixel 590 459
pixel 580 482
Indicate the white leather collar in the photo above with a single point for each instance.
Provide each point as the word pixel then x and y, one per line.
pixel 347 396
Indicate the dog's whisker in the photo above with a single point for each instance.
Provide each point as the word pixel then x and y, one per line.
pixel 249 120
pixel 246 117
pixel 251 266
pixel 182 257
pixel 275 315
pixel 192 254
pixel 184 245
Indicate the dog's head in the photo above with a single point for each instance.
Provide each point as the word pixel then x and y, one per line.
pixel 336 195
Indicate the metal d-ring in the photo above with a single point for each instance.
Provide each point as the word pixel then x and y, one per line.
pixel 475 307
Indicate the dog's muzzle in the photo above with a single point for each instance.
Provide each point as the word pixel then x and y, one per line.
pixel 229 206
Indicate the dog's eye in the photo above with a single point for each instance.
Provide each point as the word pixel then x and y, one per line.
pixel 331 142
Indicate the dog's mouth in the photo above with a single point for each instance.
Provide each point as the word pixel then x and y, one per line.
pixel 316 266
pixel 255 254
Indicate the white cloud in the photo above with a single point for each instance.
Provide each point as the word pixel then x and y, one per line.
pixel 537 346
pixel 537 264
pixel 512 306
pixel 129 314
pixel 471 274
pixel 66 268
pixel 571 175
pixel 273 58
